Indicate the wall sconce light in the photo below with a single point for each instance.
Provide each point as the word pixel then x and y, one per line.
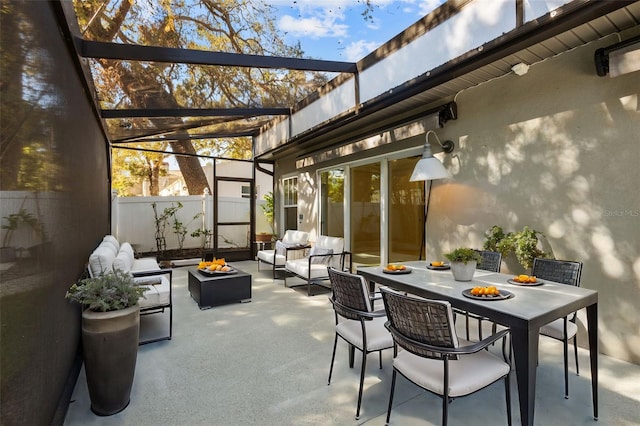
pixel 520 68
pixel 429 167
pixel 620 58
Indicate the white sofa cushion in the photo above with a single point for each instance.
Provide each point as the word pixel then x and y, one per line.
pixel 158 293
pixel 292 236
pixel 334 243
pixel 300 267
pixel 112 241
pixel 268 256
pixel 101 261
pixel 322 253
pixel 123 261
pixel 145 264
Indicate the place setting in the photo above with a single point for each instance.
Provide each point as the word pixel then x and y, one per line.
pixel 487 293
pixel 438 266
pixel 525 281
pixel 396 269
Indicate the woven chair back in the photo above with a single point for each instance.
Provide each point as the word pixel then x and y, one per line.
pixel 351 291
pixel 560 271
pixel 422 320
pixel 490 260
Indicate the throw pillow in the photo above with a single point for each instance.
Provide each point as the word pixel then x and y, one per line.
pixel 320 251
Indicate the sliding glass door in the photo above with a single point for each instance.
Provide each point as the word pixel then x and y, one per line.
pixel 332 203
pixel 406 212
pixel 365 213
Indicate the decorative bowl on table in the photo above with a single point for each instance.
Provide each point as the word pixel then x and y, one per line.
pixel 216 267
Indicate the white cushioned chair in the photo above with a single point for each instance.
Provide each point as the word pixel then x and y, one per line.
pixel 291 245
pixel 356 322
pixel 434 358
pixel 326 252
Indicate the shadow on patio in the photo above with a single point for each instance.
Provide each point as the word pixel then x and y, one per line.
pixel 266 363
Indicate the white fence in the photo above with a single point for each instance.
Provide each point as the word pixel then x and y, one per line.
pixel 133 220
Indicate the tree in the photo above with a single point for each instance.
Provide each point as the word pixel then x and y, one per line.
pixel 242 26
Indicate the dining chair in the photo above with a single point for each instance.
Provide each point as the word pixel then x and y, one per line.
pixel 489 261
pixel 356 322
pixel 434 358
pixel 563 329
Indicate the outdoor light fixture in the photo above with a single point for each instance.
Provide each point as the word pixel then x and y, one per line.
pixel 520 68
pixel 618 59
pixel 429 167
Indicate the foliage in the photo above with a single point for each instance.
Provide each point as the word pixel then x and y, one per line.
pixel 268 208
pixel 246 27
pixel 15 220
pixel 493 237
pixel 181 229
pixel 524 244
pixel 109 291
pixel 161 223
pixel 206 234
pixel 464 255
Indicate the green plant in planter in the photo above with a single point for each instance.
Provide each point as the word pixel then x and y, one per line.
pixel 268 209
pixel 110 333
pixel 463 254
pixel 524 244
pixel 109 291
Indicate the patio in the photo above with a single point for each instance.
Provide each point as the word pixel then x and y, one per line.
pixel 266 363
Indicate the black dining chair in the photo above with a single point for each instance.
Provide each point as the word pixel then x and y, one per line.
pixel 489 261
pixel 356 322
pixel 563 329
pixel 434 358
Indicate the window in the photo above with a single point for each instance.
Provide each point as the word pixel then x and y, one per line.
pixel 290 202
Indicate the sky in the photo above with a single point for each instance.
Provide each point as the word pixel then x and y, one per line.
pixel 336 30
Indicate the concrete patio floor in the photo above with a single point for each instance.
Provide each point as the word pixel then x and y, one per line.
pixel 266 363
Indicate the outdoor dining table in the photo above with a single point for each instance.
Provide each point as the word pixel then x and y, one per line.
pixel 524 313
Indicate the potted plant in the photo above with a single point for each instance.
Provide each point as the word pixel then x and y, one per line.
pixel 110 332
pixel 523 244
pixel 463 263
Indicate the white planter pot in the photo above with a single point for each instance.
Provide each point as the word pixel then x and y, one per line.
pixel 463 271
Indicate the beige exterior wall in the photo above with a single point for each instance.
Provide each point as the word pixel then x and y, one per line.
pixel 557 149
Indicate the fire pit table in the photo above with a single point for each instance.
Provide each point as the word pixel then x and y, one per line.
pixel 211 289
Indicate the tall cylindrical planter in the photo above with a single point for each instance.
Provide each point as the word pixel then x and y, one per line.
pixel 463 271
pixel 110 347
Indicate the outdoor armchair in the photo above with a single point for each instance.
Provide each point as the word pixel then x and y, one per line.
pixel 291 244
pixel 326 252
pixel 356 322
pixel 434 358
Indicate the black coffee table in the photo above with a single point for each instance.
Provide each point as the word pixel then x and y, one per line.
pixel 210 290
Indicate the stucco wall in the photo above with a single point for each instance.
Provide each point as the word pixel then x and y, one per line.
pixel 556 149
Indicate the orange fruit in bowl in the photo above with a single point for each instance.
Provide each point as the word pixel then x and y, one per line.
pixel 532 279
pixel 437 264
pixel 391 267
